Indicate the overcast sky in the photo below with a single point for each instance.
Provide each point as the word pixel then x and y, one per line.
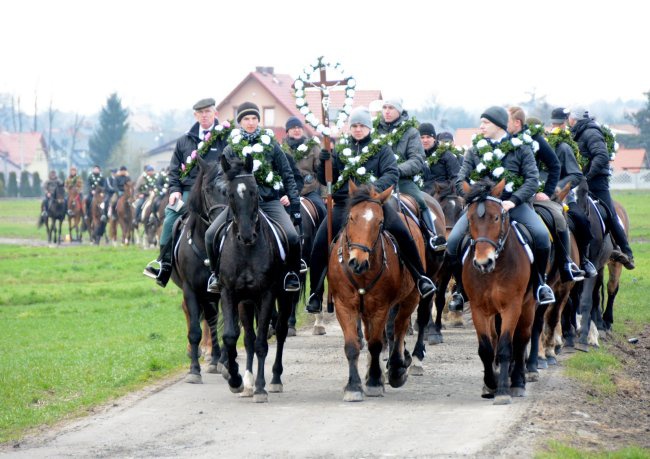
pixel 162 55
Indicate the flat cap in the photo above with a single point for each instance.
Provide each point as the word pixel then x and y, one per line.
pixel 203 103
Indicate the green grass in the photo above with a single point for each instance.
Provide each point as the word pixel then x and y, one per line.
pixel 558 450
pixel 79 326
pixel 19 217
pixel 636 205
pixel 595 369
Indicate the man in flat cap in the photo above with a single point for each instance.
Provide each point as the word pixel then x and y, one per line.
pixel 182 175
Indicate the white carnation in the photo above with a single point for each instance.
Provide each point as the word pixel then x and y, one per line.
pixel 498 153
pixel 498 172
pixel 481 143
pixel 300 102
pixel 480 167
pixel 364 149
pixel 265 139
pixel 320 128
pixel 247 150
pixel 372 178
pixel 300 93
pixel 376 141
pixel 535 146
pixel 326 131
pixel 269 177
pixel 298 84
pixel 257 148
pixel 516 142
pixel 236 139
pixel 488 156
pixel 304 109
pixel 277 185
pixel 269 132
pixel 302 147
pixel 219 128
pixel 352 83
pixel 347 152
pixel 612 157
pixel 200 145
pixel 509 187
pixel 527 138
pixel 256 164
pixel 361 171
pixel 188 159
pixel 235 132
pixel 615 146
pixel 316 139
pixel 354 160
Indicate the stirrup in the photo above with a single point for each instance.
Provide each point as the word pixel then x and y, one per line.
pixel 213 284
pixel 303 267
pixel 314 304
pixel 544 289
pixel 574 272
pixel 437 243
pixel 151 270
pixel 589 268
pixel 288 278
pixel 426 281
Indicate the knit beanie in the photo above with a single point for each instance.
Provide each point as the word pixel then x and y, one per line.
pixel 445 136
pixel 361 115
pixel 559 115
pixel 394 102
pixel 427 129
pixel 293 122
pixel 497 115
pixel 579 113
pixel 247 108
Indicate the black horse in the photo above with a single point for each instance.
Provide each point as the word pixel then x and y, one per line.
pixel 189 270
pixel 250 270
pixel 56 212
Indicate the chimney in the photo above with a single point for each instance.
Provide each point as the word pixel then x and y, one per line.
pixel 264 70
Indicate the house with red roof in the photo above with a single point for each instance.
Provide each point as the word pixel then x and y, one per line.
pixel 23 151
pixel 273 94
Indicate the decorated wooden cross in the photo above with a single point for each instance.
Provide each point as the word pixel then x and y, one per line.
pixel 302 83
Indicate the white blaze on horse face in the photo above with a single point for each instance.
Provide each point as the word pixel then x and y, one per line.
pixel 368 215
pixel 240 190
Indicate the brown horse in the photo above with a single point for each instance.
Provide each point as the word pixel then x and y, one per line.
pixel 123 216
pixel 153 216
pixel 496 276
pixel 96 226
pixel 367 278
pixel 75 213
pixel 614 269
pixel 55 214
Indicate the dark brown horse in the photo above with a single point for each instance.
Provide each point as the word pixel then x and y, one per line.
pixel 615 270
pixel 367 278
pixel 96 227
pixel 75 213
pixel 153 216
pixel 56 211
pixel 496 276
pixel 123 216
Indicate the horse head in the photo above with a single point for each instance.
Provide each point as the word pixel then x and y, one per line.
pixel 243 196
pixel 489 222
pixel 451 203
pixel 208 195
pixel 365 224
pixel 559 195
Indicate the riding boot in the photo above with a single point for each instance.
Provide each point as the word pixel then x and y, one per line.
pixel 213 257
pixel 425 285
pixel 435 241
pixel 291 279
pixel 164 262
pixel 544 293
pixel 458 296
pixel 315 302
pixel 569 271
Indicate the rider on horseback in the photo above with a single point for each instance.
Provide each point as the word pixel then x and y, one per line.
pixel 49 187
pixel 95 179
pixel 143 187
pixel 381 170
pixel 248 117
pixel 440 166
pixel 591 142
pixel 121 179
pixel 517 164
pixel 76 182
pixel 410 161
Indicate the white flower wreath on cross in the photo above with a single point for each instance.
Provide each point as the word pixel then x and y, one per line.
pixel 303 81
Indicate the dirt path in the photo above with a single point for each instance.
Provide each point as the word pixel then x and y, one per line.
pixel 438 414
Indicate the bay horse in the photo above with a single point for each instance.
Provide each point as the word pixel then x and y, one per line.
pixel 496 277
pixel 367 278
pixel 56 211
pixel 96 227
pixel 75 214
pixel 614 269
pixel 123 216
pixel 190 272
pixel 153 217
pixel 251 274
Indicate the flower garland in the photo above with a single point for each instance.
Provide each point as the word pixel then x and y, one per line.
pixel 302 150
pixel 353 164
pixel 610 140
pixel 262 169
pixel 490 156
pixel 444 147
pixel 558 135
pixel 302 81
pixel 218 132
pixel 392 138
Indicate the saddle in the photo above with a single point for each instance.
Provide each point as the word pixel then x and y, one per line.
pixel 311 210
pixel 409 206
pixel 523 236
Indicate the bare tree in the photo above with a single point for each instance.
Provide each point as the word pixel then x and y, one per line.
pixel 35 112
pixel 76 127
pixel 50 118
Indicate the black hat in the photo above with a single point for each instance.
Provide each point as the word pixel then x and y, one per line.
pixel 497 115
pixel 247 108
pixel 559 115
pixel 427 129
pixel 203 103
pixel 123 168
pixel 445 136
pixel 113 171
pixel 293 122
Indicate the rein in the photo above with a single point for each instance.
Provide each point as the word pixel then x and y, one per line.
pixel 499 245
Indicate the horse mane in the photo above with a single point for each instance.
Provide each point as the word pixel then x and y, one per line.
pixel 480 190
pixel 236 168
pixel 362 194
pixel 206 175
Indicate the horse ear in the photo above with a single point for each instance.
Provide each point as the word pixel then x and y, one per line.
pixel 225 165
pixel 561 194
pixel 352 186
pixel 385 194
pixel 466 187
pixel 248 164
pixel 498 189
pixel 201 162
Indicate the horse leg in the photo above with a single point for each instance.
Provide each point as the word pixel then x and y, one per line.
pixel 586 304
pixel 435 334
pixel 230 336
pixel 520 340
pixel 281 332
pixel 509 319
pixel 390 328
pixel 347 317
pixel 211 313
pixel 247 314
pixel 267 308
pixel 399 359
pixel 419 350
pixel 532 364
pixel 193 335
pixel 551 321
pixel 486 335
pixel 295 298
pixel 615 270
pixel 375 325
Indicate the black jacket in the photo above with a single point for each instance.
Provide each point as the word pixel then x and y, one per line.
pixel 409 147
pixel 184 148
pixel 383 165
pixel 445 170
pixel 550 174
pixel 94 181
pixel 591 142
pixel 569 168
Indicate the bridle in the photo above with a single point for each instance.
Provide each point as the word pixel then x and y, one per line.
pixel 504 231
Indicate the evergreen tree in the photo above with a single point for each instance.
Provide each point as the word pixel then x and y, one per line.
pixel 25 186
pixel 3 188
pixel 113 124
pixel 12 189
pixel 641 120
pixel 37 186
pixel 84 178
pixel 62 176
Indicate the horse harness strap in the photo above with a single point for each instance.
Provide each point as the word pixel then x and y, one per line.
pixel 503 233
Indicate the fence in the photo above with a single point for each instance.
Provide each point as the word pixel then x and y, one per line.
pixel 631 181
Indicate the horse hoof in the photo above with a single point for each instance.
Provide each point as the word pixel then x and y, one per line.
pixel 213 369
pixel 398 381
pixel 221 368
pixel 374 391
pixel 224 373
pixel 237 390
pixel 353 396
pixel 291 331
pixel 435 338
pixel 542 364
pixel 261 397
pixel 416 369
pixel 551 360
pixel 246 392
pixel 502 400
pixel 318 330
pixel 276 388
pixel 602 334
pixel 582 347
pixel 193 378
pixel 487 392
pixel 517 392
pixel 532 376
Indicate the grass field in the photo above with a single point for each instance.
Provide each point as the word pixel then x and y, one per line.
pixel 79 325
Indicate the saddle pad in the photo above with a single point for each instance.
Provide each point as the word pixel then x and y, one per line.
pixel 277 230
pixel 309 207
pixel 520 230
pixel 600 215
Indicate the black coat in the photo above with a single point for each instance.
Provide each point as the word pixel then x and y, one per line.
pixel 591 143
pixel 550 174
pixel 445 170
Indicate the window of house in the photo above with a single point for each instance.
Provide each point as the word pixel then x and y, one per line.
pixel 269 116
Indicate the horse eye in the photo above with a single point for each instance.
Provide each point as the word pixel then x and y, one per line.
pixel 496 218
